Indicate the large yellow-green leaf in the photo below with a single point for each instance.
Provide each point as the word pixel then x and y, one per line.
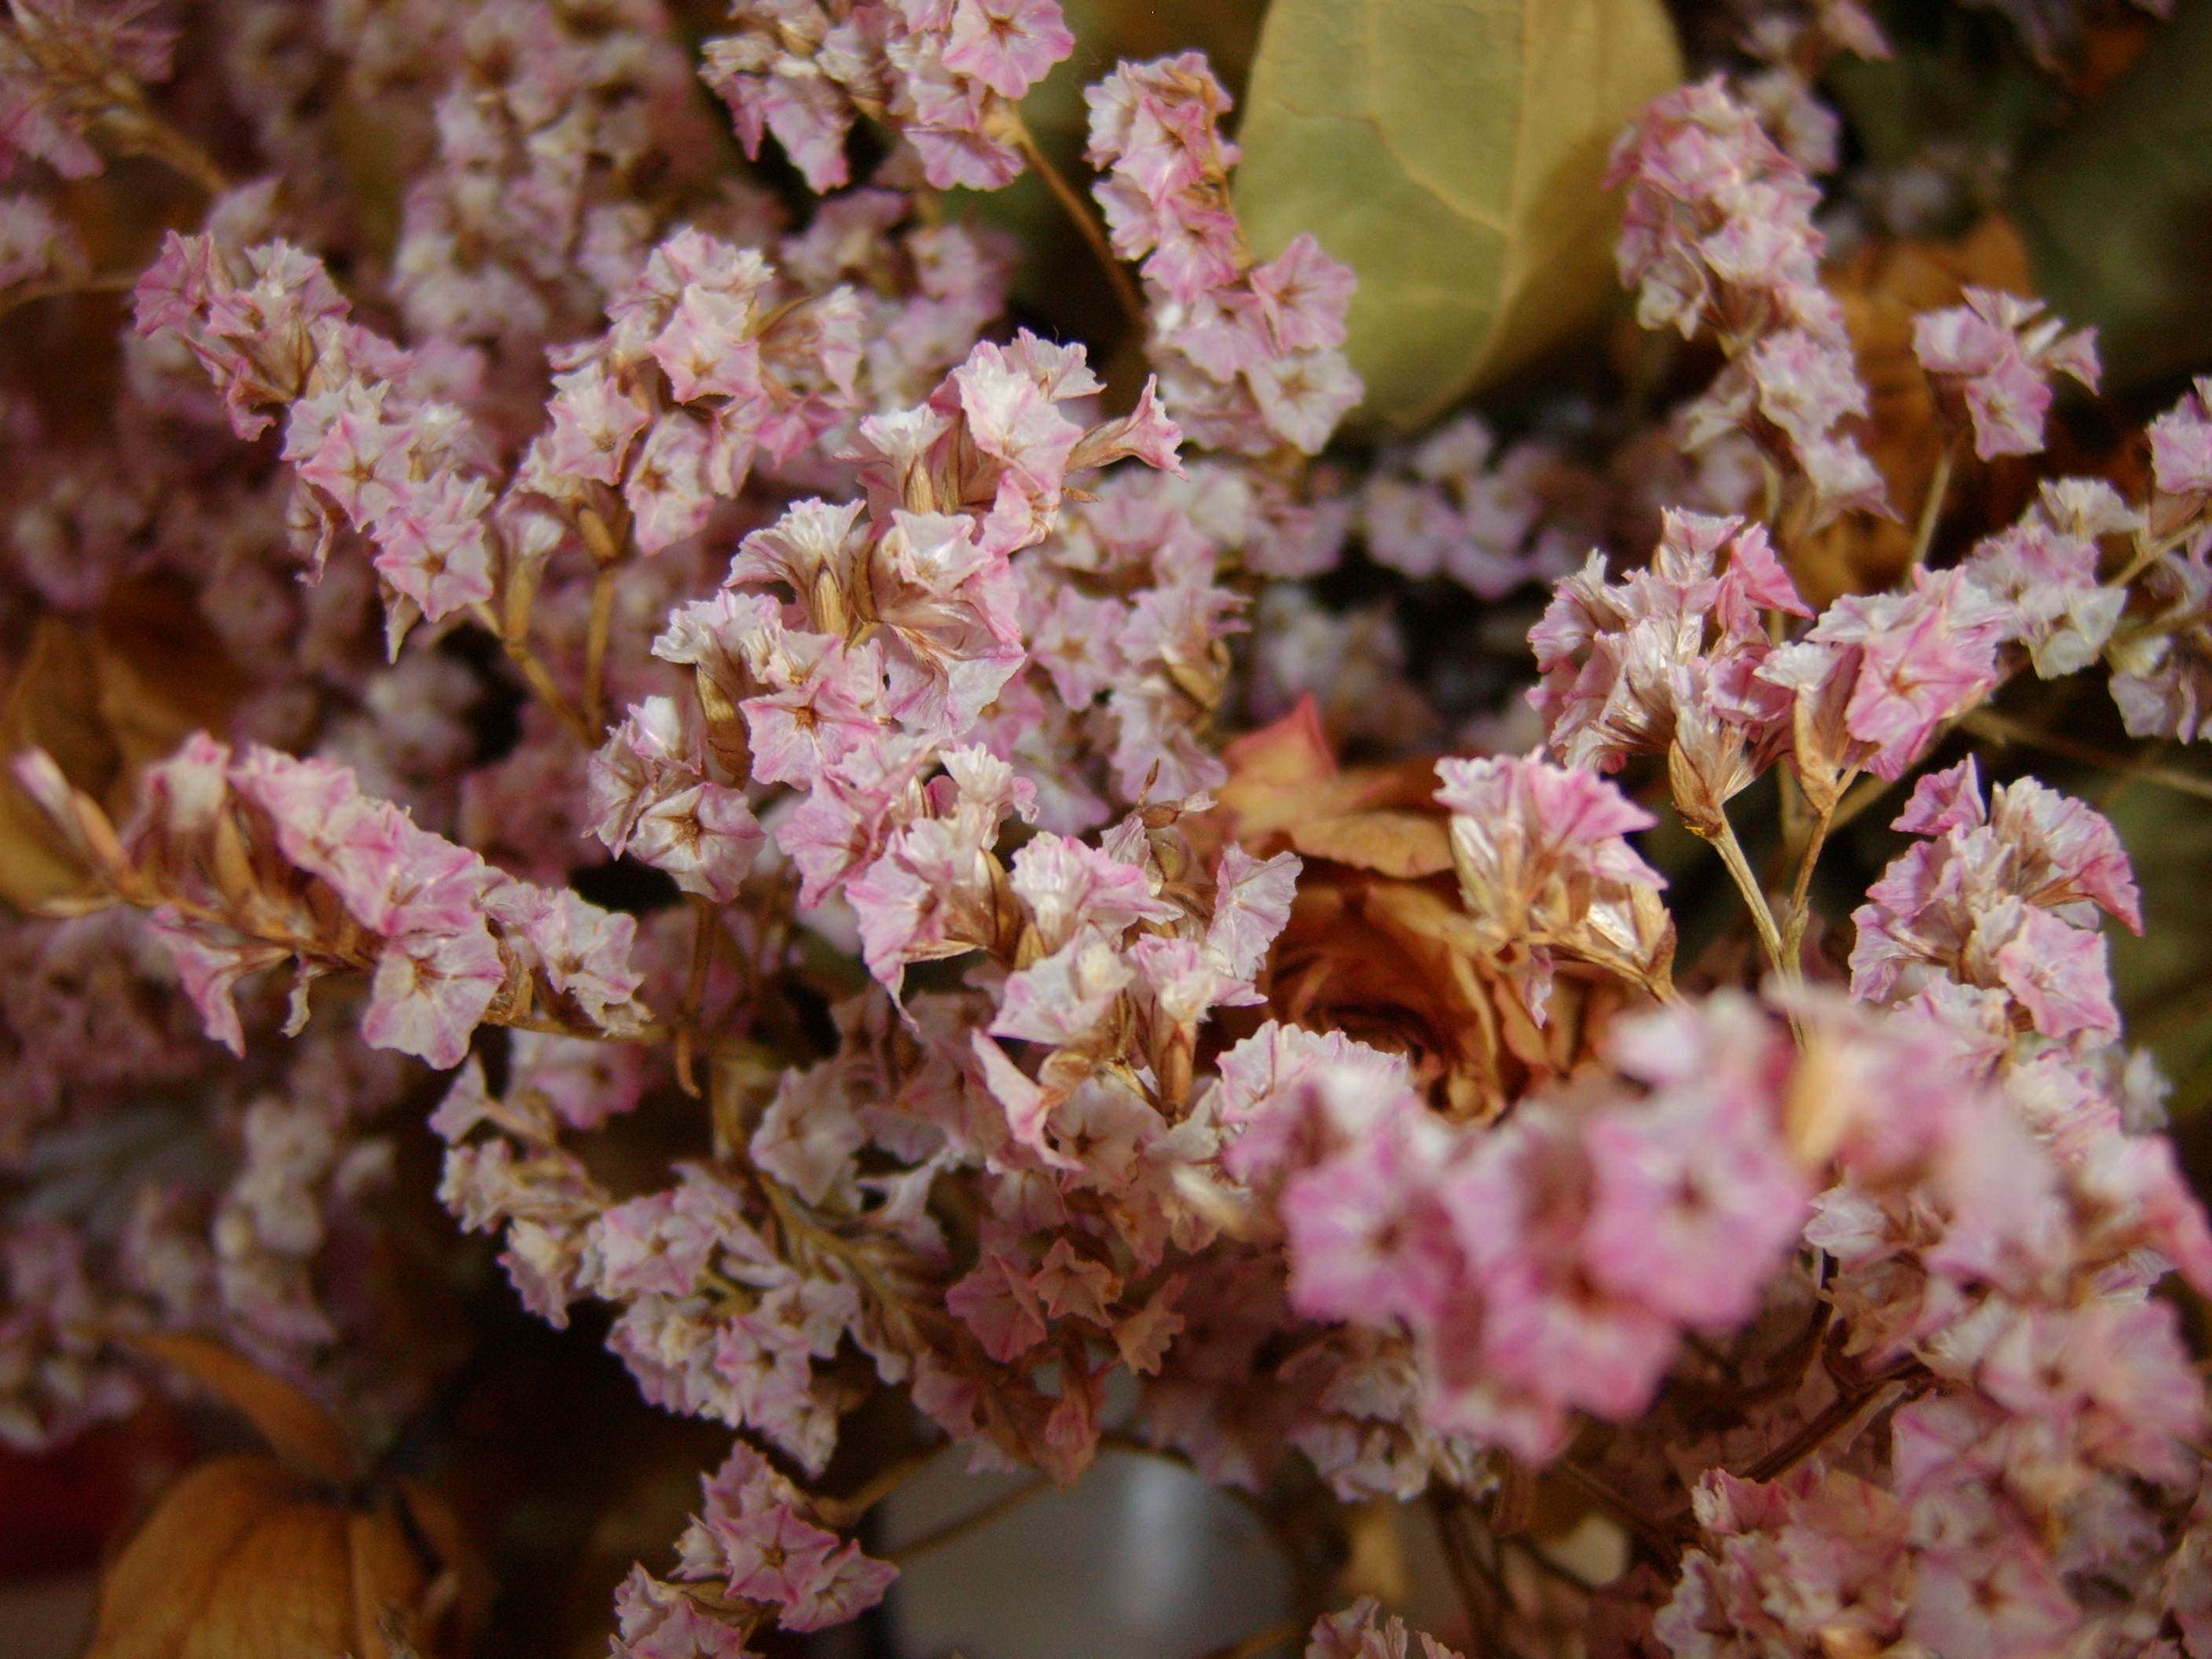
pixel 1450 151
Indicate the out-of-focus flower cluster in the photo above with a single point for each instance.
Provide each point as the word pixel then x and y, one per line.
pixel 683 644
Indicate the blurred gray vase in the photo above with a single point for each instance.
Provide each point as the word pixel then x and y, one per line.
pixel 1139 1556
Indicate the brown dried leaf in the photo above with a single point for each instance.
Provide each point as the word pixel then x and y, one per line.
pixel 298 1430
pixel 1389 841
pixel 1284 781
pixel 51 704
pixel 153 1595
pixel 1378 944
pixel 285 1587
pixel 244 1557
pixel 105 697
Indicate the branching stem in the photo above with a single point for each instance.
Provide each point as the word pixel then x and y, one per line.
pixel 1085 222
pixel 1755 897
pixel 975 1519
pixel 1931 506
pixel 1987 723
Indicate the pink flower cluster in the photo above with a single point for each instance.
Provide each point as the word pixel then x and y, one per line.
pixel 1668 660
pixel 2162 671
pixel 1363 1631
pixel 943 74
pixel 900 629
pixel 377 450
pixel 978 1043
pixel 1876 677
pixel 1717 237
pixel 2002 898
pixel 1679 660
pixel 1991 1247
pixel 97 1044
pixel 1249 354
pixel 707 360
pixel 1491 520
pixel 251 862
pixel 1995 356
pixel 35 245
pixel 55 57
pixel 1546 1265
pixel 753 1538
pixel 524 217
pixel 1546 870
pixel 2045 572
pixel 1794 45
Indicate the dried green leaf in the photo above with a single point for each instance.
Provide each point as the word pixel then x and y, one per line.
pixel 1450 152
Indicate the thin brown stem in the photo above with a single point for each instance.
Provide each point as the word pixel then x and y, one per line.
pixel 149 134
pixel 1086 224
pixel 110 281
pixel 1790 800
pixel 145 898
pixel 707 925
pixel 1987 723
pixel 643 1037
pixel 1621 1510
pixel 1838 1414
pixel 1862 795
pixel 1799 912
pixel 549 692
pixel 595 647
pixel 538 677
pixel 1931 506
pixel 1755 897
pixel 2148 551
pixel 112 102
pixel 843 1511
pixel 1005 1503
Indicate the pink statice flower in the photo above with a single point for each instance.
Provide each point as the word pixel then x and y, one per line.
pixel 2181 448
pixel 1492 517
pixel 1546 869
pixel 61 62
pixel 2004 897
pixel 943 73
pixel 2162 679
pixel 251 862
pixel 1362 1631
pixel 2045 570
pixel 1717 238
pixel 1250 352
pixel 1667 660
pixel 1546 1265
pixel 1882 674
pixel 1996 355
